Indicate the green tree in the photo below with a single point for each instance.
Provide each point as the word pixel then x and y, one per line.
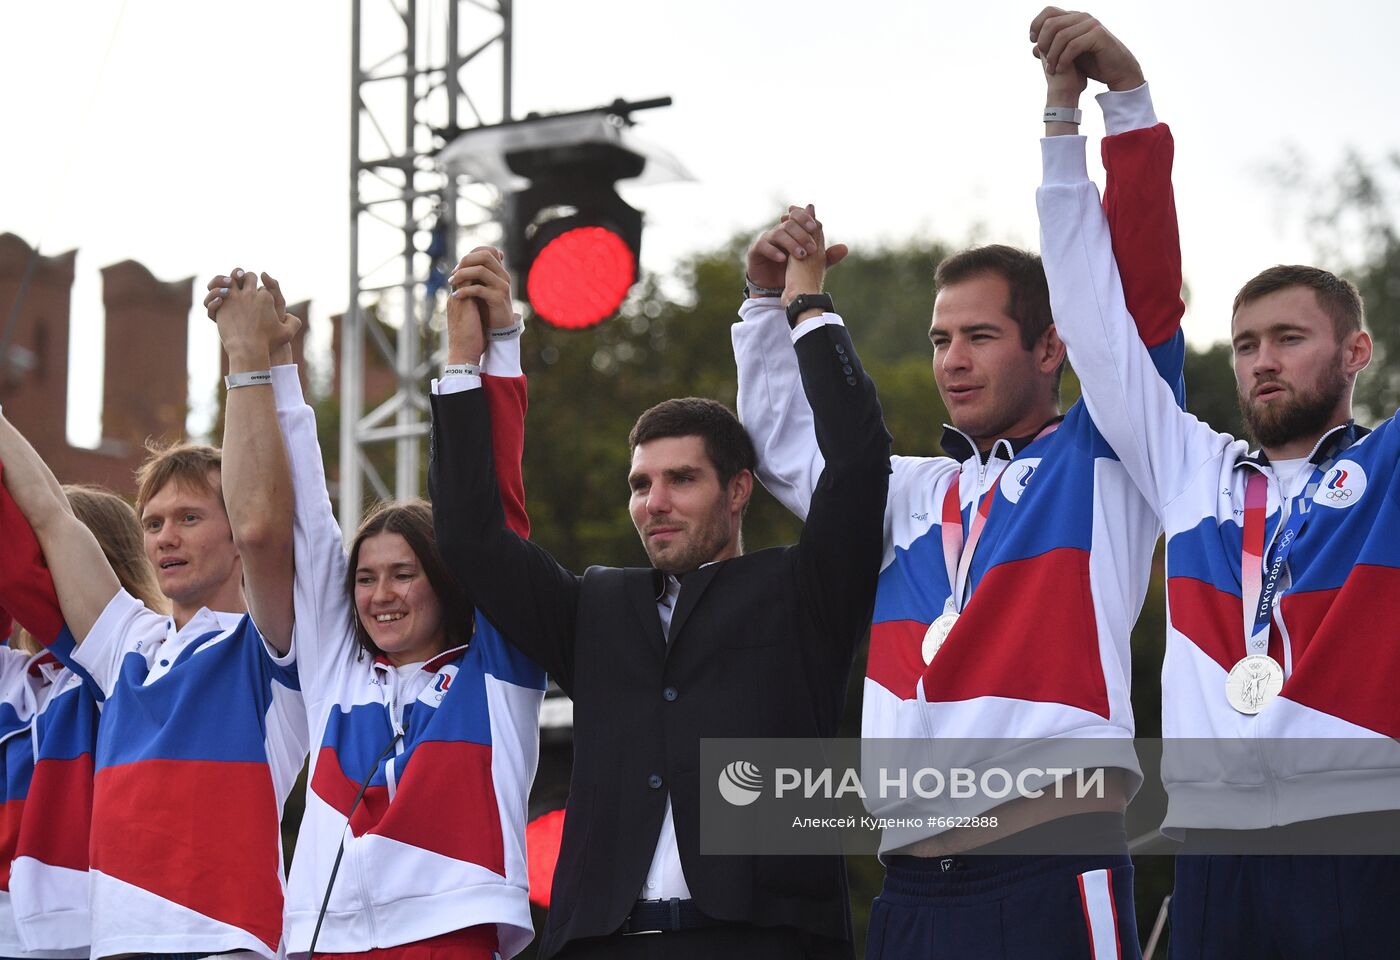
pixel 1351 215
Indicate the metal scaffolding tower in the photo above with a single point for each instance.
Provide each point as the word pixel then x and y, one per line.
pixel 405 216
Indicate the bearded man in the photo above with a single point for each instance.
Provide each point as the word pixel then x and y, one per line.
pixel 1283 591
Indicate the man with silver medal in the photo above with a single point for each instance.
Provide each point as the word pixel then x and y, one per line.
pixel 1280 721
pixel 1014 569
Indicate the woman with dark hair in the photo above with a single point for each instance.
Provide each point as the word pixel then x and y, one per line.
pixel 425 719
pixel 388 534
pixel 47 754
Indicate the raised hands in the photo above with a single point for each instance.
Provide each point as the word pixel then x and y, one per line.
pixel 1074 43
pixel 253 322
pixel 793 255
pixel 480 300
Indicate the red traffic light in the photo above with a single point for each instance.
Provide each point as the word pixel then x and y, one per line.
pixel 580 277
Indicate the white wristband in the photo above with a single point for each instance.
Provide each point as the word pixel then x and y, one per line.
pixel 1063 115
pixel 462 370
pixel 510 332
pixel 753 290
pixel 248 378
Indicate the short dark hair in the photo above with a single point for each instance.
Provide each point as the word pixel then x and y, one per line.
pixel 413 520
pixel 1338 297
pixel 727 443
pixel 1029 300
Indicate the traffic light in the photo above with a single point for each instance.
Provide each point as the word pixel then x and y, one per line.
pixel 572 241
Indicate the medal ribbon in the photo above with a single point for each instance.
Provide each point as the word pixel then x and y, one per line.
pixel 957 556
pixel 1259 579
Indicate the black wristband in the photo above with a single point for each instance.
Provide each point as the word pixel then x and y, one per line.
pixel 808 301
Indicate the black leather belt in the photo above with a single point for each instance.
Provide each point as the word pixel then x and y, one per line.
pixel 665 916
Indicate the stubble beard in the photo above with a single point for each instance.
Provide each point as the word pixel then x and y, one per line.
pixel 996 422
pixel 1307 415
pixel 702 543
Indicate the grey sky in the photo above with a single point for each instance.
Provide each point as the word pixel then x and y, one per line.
pixel 218 133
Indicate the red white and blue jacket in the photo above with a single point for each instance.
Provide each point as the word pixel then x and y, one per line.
pixel 24 684
pixel 48 804
pixel 438 842
pixel 1333 621
pixel 203 734
pixel 49 874
pixel 1041 648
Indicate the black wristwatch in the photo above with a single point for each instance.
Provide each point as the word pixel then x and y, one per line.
pixel 808 301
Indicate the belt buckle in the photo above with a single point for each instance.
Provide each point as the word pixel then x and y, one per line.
pixel 673 903
pixel 636 933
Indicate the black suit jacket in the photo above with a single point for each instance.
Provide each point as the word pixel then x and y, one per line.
pixel 760 646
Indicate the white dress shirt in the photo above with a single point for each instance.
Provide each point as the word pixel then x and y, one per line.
pixel 665 878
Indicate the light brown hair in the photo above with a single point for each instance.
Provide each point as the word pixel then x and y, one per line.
pixel 189 464
pixel 1336 296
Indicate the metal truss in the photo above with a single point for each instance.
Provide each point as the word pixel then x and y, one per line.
pixel 410 63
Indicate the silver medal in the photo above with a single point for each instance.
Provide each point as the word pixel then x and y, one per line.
pixel 1252 682
pixel 935 635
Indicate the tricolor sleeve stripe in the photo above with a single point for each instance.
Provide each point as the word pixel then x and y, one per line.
pixel 1100 914
pixel 1136 411
pixel 1141 209
pixel 507 399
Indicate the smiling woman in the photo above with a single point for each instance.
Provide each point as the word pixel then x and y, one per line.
pixel 409 694
pixel 409 608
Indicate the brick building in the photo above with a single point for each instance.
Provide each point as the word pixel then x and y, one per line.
pixel 145 386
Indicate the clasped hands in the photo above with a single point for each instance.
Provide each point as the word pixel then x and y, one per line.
pixel 254 325
pixel 480 300
pixel 793 255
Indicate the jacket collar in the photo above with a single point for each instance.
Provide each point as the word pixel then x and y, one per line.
pixel 962 447
pixel 431 665
pixel 1330 444
pixel 693 586
pixel 44 664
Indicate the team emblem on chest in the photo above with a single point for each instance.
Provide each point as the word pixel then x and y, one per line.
pixel 1341 486
pixel 437 688
pixel 1015 478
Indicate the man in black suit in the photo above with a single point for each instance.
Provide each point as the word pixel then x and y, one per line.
pixel 708 642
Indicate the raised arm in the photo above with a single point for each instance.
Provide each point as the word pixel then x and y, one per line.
pixel 517 584
pixel 843 539
pixel 481 277
pixel 81 575
pixel 257 480
pixel 322 631
pixel 506 397
pixel 1137 156
pixel 1137 412
pixel 772 404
